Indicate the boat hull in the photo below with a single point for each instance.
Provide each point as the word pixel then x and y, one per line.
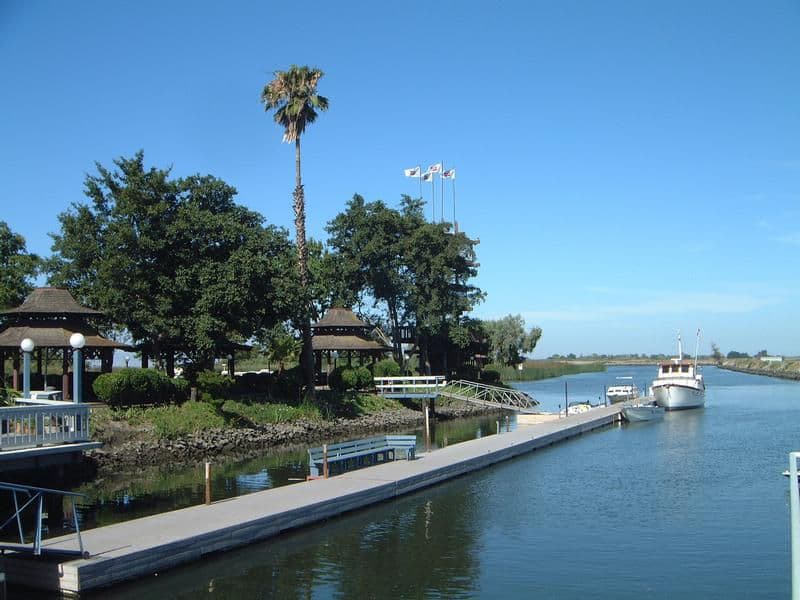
pixel 636 414
pixel 678 397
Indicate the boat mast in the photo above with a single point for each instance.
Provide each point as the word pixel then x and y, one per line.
pixel 696 350
pixel 680 348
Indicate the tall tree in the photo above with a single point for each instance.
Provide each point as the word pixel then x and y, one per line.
pixel 177 263
pixel 439 267
pixel 368 238
pixel 292 94
pixel 17 267
pixel 509 340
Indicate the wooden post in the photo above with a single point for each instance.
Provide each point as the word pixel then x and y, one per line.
pixel 325 461
pixel 15 372
pixel 427 428
pixel 208 483
pixel 498 427
pixel 508 424
pixel 65 382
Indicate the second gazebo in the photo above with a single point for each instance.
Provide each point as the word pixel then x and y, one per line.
pixel 342 332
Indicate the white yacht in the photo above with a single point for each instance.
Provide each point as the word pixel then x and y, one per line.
pixel 620 393
pixel 679 384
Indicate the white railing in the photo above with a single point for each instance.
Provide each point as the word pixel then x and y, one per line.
pixel 32 426
pixel 409 385
pixel 794 507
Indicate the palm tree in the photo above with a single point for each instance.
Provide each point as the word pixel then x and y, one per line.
pixel 293 96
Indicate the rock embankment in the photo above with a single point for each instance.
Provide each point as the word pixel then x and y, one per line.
pixel 244 442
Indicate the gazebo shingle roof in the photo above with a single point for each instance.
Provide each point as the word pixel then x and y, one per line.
pixel 51 301
pixel 54 335
pixel 49 316
pixel 339 317
pixel 341 330
pixel 347 342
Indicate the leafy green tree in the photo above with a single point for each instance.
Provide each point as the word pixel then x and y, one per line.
pixel 281 346
pixel 509 340
pixel 417 271
pixel 17 267
pixel 292 94
pixel 177 263
pixel 368 242
pixel 439 266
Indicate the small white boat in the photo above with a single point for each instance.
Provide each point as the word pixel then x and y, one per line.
pixel 642 412
pixel 622 392
pixel 679 384
pixel 576 408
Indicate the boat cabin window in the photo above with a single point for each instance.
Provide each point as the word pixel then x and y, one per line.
pixel 665 368
pixel 684 368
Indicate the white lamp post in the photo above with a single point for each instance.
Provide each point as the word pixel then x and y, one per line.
pixel 27 346
pixel 77 341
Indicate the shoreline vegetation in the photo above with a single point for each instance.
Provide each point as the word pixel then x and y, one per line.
pixel 788 368
pixel 179 435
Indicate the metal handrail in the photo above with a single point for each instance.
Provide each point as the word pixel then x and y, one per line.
pixel 32 426
pixel 35 496
pixel 489 395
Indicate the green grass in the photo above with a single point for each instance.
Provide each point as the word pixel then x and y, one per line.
pixel 264 414
pixel 534 370
pixel 191 417
pixel 174 421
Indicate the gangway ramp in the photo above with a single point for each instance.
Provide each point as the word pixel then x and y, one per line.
pixel 489 395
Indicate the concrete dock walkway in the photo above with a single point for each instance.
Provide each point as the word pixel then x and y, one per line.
pixel 148 545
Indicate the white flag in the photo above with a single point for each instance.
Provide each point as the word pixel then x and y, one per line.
pixel 449 174
pixel 437 168
pixel 428 176
pixel 412 172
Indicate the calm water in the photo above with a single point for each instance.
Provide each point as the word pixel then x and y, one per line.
pixel 691 507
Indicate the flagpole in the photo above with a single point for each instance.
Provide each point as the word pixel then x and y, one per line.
pixel 441 179
pixel 419 174
pixel 453 183
pixel 433 199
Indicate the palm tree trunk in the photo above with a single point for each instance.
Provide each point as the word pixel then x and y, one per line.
pixel 307 353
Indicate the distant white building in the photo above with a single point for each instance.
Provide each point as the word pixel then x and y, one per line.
pixel 772 359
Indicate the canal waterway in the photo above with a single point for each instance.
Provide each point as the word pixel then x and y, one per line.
pixel 130 495
pixel 693 506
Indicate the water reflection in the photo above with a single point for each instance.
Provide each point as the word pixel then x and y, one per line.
pixel 420 546
pixel 129 495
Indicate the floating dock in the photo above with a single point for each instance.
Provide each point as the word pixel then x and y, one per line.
pixel 149 545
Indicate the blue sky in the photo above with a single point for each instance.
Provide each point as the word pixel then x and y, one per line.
pixel 630 168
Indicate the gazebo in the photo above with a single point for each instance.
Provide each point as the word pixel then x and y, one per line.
pixel 341 331
pixel 49 317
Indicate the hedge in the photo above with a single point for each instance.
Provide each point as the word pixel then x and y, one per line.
pixel 131 387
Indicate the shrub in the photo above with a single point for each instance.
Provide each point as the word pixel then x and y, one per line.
pixel 335 381
pixel 129 387
pixel 364 378
pixel 349 379
pixel 288 384
pixel 491 374
pixel 213 385
pixel 387 368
